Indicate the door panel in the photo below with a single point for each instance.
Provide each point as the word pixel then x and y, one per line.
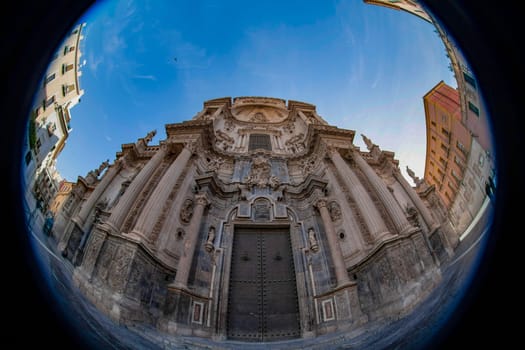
pixel 263 297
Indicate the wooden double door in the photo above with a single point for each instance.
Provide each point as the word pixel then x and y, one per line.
pixel 262 304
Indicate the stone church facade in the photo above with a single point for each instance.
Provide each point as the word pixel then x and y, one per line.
pixel 254 221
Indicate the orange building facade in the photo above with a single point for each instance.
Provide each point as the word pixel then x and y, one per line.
pixel 448 141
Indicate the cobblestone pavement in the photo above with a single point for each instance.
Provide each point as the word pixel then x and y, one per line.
pixel 414 331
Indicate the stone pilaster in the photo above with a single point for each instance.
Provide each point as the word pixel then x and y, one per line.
pixel 81 217
pixel 366 206
pixel 119 212
pixel 335 249
pixel 392 206
pixel 149 215
pixel 184 266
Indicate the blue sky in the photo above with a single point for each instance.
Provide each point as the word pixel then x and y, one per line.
pixel 365 67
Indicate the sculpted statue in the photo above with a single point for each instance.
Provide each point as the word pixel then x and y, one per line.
pixel 368 142
pixel 211 238
pixel 416 179
pixel 150 135
pixel 312 240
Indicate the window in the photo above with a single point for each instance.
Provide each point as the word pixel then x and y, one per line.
pixel 66 89
pixel 458 162
pixel 460 146
pixel 49 78
pixel 469 79
pixel 445 132
pixel 51 127
pixel 455 176
pixel 433 123
pixel 258 141
pixel 433 138
pixel 443 118
pixel 473 108
pixel 67 67
pixel 49 102
pixel 444 148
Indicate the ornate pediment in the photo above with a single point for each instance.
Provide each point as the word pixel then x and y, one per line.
pixel 259 109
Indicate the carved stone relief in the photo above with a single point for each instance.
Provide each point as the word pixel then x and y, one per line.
pixel 260 174
pixel 224 141
pixel 312 240
pixel 335 211
pixel 295 144
pixel 186 211
pixel 210 240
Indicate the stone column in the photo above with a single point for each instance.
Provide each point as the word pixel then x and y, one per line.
pixel 423 210
pixel 81 217
pixel 192 233
pixel 392 206
pixel 366 206
pixel 153 207
pixel 335 250
pixel 119 212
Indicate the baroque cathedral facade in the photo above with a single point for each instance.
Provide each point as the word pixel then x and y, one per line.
pixel 253 221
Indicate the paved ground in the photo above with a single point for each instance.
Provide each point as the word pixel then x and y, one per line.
pixel 411 332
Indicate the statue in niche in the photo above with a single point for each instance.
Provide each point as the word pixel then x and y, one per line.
pixel 211 238
pixel 260 174
pixel 335 211
pixel 312 240
pixel 186 212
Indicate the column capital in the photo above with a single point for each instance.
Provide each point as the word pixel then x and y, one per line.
pixel 202 199
pixel 321 203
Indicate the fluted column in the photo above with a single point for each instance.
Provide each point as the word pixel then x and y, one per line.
pixel 392 206
pixel 367 208
pixel 80 218
pixel 335 250
pixel 184 266
pixel 119 212
pixel 423 210
pixel 153 207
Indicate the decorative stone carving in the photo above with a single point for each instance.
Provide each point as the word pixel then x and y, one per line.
pixel 260 174
pixel 211 238
pixel 259 118
pixel 102 166
pixel 229 125
pixel 289 128
pixel 213 163
pixel 416 179
pixel 308 165
pixel 312 240
pixel 368 142
pixel 296 143
pixel 186 211
pixel 335 211
pixel 149 136
pixel 412 215
pixel 224 141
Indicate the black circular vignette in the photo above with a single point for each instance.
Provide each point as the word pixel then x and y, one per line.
pixel 489 36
